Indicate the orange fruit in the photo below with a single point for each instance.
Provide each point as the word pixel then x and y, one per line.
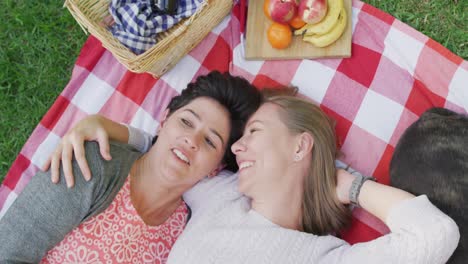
pixel 279 35
pixel 266 9
pixel 296 22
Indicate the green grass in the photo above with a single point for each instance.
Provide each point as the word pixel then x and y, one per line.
pixel 39 43
pixel 445 21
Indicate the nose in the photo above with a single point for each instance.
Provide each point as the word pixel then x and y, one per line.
pixel 192 141
pixel 238 146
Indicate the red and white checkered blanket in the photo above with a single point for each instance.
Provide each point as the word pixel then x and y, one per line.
pixel 395 74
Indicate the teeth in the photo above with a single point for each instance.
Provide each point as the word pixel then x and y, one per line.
pixel 180 155
pixel 245 164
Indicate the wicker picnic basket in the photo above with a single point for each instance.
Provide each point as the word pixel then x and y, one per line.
pixel 172 45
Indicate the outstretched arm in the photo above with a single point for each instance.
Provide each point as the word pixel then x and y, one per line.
pixel 92 128
pixel 420 233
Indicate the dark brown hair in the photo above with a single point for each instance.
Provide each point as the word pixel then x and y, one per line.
pixel 236 94
pixel 431 158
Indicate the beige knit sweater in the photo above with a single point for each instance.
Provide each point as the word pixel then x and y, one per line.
pixel 224 229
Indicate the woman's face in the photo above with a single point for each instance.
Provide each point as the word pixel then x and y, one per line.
pixel 192 141
pixel 264 152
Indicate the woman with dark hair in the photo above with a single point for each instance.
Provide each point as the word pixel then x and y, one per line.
pixel 194 140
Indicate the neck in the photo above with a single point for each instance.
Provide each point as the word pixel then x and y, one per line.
pixel 153 198
pixel 283 206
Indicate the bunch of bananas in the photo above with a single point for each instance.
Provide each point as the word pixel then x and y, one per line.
pixel 330 29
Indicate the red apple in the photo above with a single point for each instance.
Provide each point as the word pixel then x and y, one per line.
pixel 312 11
pixel 282 11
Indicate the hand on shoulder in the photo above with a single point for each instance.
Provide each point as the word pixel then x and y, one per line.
pixel 91 128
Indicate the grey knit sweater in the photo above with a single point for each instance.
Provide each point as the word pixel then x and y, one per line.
pixel 44 212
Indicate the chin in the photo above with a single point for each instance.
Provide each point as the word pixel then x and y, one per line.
pixel 246 182
pixel 171 178
pixel 174 174
pixel 242 187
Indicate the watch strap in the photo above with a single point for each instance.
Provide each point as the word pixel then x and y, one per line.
pixel 356 188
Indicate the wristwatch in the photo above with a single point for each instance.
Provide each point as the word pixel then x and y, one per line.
pixel 356 188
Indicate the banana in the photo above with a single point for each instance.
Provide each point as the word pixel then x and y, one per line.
pixel 327 23
pixel 332 36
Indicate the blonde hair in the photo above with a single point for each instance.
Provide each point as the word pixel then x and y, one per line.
pixel 322 212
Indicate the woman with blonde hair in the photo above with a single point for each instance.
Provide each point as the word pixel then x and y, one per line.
pixel 314 156
pixel 287 200
pixel 322 212
pixel 287 183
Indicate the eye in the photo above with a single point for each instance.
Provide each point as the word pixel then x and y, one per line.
pixel 210 143
pixel 186 122
pixel 253 130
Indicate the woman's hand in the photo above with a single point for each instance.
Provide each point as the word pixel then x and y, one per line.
pixel 378 199
pixel 91 128
pixel 344 181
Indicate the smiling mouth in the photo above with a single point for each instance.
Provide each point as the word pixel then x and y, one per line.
pixel 181 156
pixel 246 164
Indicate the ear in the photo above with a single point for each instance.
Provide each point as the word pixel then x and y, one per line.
pixel 304 145
pixel 163 119
pixel 217 170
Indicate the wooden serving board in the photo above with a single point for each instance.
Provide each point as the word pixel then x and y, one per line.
pixel 258 47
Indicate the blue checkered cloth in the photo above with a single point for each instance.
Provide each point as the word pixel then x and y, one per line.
pixel 137 23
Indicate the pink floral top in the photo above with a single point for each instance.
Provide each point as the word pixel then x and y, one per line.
pixel 118 235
